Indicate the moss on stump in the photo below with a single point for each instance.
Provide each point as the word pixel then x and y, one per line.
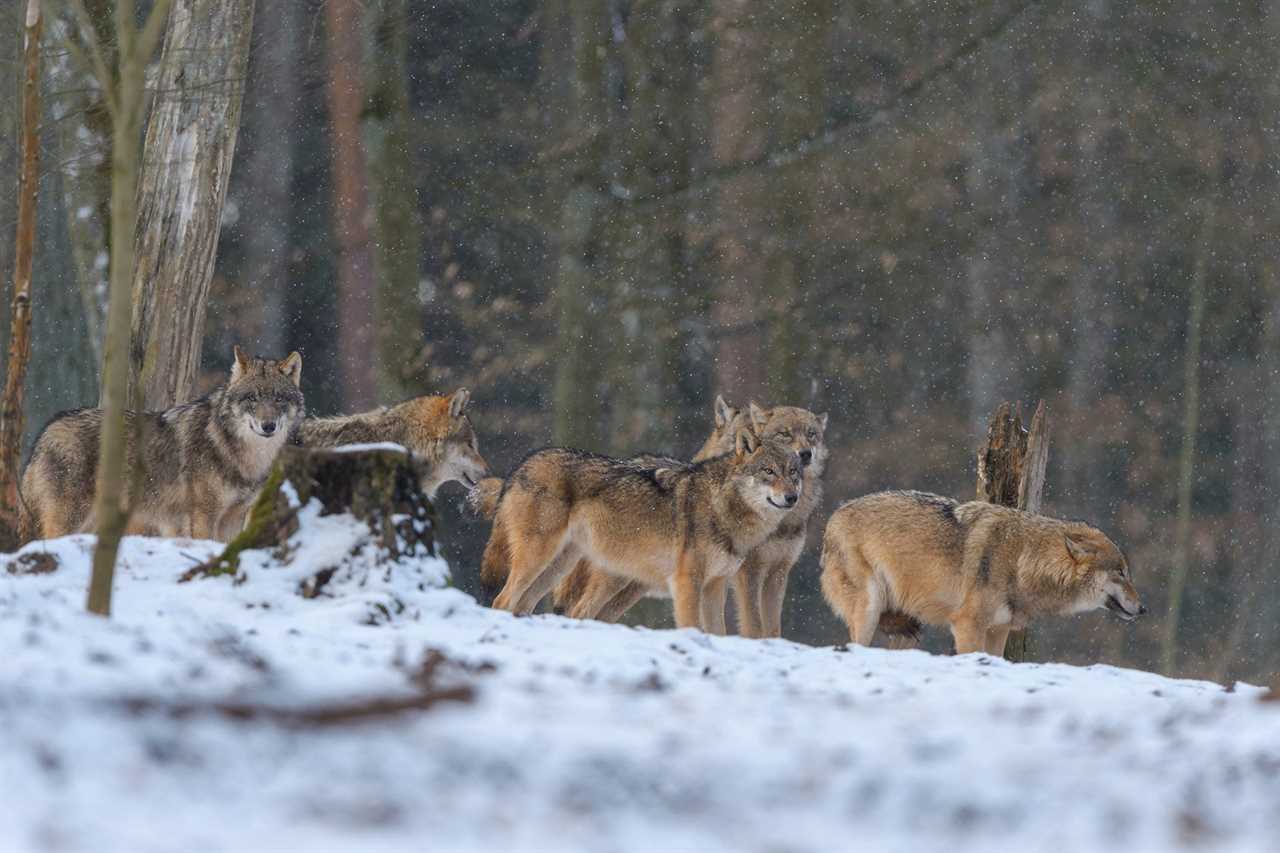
pixel 381 487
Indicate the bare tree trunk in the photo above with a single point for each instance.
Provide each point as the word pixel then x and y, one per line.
pixel 356 288
pixel 578 368
pixel 191 138
pixel 1191 426
pixel 125 93
pixel 11 404
pixel 1011 471
pixel 397 224
pixel 739 80
pixel 268 164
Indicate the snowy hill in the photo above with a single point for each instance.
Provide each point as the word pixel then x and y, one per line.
pixel 228 714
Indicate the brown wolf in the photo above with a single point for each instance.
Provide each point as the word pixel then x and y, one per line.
pixel 582 580
pixel 981 568
pixel 197 465
pixel 760 585
pixel 688 527
pixel 436 430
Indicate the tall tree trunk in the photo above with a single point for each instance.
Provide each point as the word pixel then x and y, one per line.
pixel 388 125
pixel 11 404
pixel 800 49
pixel 267 164
pixel 578 369
pixel 1190 429
pixel 357 352
pixel 126 92
pixel 739 81
pixel 997 180
pixel 191 139
pixel 12 15
pixel 84 142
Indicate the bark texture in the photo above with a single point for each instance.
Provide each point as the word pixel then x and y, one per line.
pixel 357 358
pixel 1011 471
pixel 11 403
pixel 191 138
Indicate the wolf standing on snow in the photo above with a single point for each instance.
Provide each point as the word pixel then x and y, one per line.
pixel 435 429
pixel 688 527
pixel 981 568
pixel 196 466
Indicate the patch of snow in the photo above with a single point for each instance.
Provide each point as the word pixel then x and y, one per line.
pixel 372 445
pixel 583 736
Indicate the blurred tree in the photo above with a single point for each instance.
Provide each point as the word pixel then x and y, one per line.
pixel 579 292
pixel 12 410
pixel 272 107
pixel 397 223
pixel 357 297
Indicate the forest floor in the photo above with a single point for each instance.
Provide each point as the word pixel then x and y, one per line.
pixel 391 712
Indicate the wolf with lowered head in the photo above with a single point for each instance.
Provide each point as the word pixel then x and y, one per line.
pixel 435 429
pixel 192 470
pixel 686 527
pixel 983 569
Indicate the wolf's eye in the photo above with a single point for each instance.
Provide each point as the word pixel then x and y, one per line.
pixel 784 434
pixel 769 472
pixel 813 435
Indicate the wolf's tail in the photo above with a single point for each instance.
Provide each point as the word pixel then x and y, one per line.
pixel 495 564
pixel 484 496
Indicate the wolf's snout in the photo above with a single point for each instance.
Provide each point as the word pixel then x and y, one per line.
pixel 1142 610
pixel 791 498
pixel 806 456
pixel 268 427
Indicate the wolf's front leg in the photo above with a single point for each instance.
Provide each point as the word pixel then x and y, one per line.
pixel 713 595
pixel 748 586
pixel 970 635
pixel 686 589
pixel 997 637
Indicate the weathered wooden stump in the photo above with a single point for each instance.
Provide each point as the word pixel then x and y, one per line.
pixel 378 486
pixel 1011 470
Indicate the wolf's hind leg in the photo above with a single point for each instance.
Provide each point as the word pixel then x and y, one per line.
pixel 851 588
pixel 598 590
pixel 622 601
pixel 560 564
pixel 529 557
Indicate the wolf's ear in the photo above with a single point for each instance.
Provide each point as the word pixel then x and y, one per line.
pixel 745 442
pixel 822 421
pixel 1078 548
pixel 458 402
pixel 724 412
pixel 292 367
pixel 758 415
pixel 239 364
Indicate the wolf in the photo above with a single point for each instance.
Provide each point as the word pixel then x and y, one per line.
pixel 983 569
pixel 192 470
pixel 760 585
pixel 688 527
pixel 435 429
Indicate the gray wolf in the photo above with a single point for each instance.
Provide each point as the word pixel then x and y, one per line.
pixel 192 470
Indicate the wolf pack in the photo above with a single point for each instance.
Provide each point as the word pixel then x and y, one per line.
pixel 597 533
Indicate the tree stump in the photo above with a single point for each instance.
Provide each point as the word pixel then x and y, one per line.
pixel 1011 471
pixel 378 486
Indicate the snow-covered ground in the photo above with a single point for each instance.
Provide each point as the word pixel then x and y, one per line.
pixel 185 723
